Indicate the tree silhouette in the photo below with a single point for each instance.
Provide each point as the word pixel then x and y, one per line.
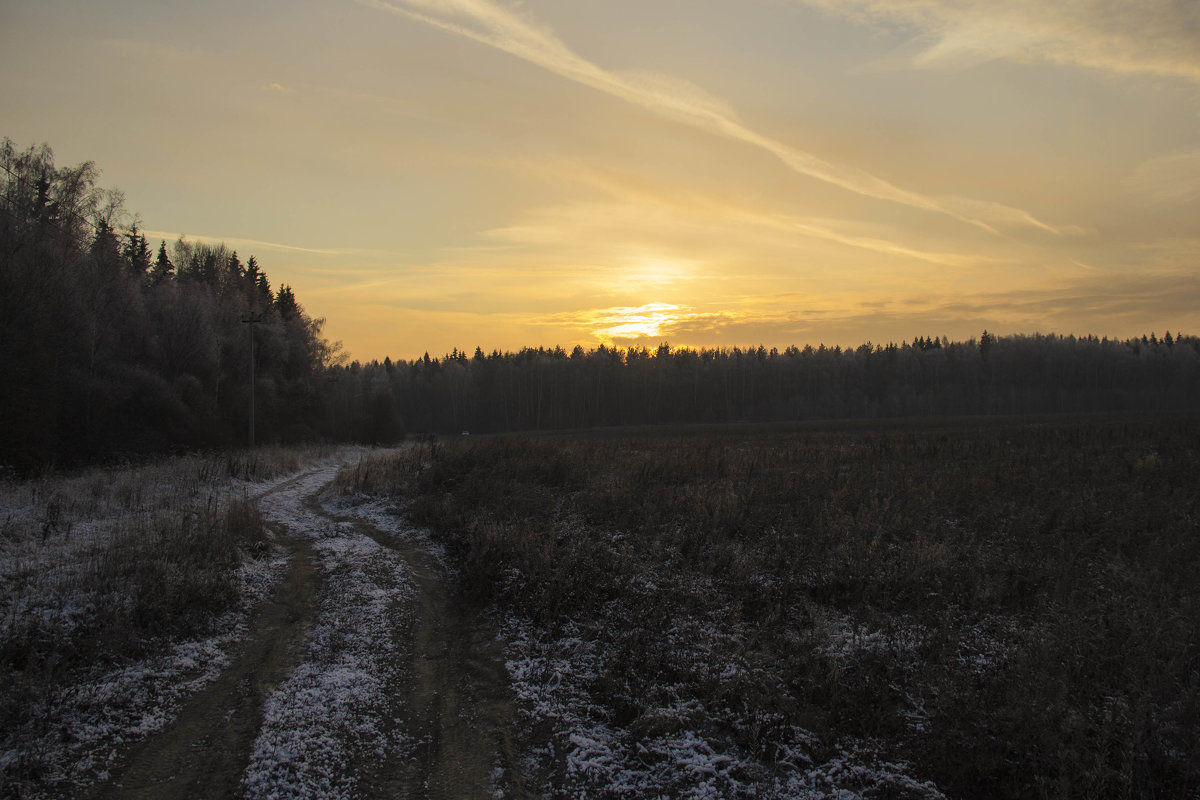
pixel 101 362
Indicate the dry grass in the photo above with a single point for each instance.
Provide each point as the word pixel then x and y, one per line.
pixel 385 472
pixel 1009 606
pixel 104 567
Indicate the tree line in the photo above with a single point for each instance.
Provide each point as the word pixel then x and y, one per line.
pixel 546 389
pixel 110 348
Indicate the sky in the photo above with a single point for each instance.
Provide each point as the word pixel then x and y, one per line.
pixel 439 174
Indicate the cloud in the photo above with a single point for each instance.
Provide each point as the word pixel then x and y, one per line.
pixel 875 244
pixel 1159 37
pixel 1160 301
pixel 1104 303
pixel 486 22
pixel 647 323
pixel 1114 305
pixel 1173 178
pixel 641 210
pixel 278 88
pixel 157 51
pixel 234 241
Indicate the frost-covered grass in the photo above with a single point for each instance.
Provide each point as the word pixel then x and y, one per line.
pixel 979 608
pixel 121 590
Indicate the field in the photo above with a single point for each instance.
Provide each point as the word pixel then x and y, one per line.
pixel 974 608
pixel 962 608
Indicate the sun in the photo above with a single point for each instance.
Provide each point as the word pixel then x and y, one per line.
pixel 644 322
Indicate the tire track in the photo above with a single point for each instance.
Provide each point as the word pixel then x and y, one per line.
pixel 454 699
pixel 364 640
pixel 204 751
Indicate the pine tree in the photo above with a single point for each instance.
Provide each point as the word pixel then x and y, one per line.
pixel 163 269
pixel 137 251
pixel 251 277
pixel 264 289
pixel 986 340
pixel 285 302
pixel 105 248
pixel 234 267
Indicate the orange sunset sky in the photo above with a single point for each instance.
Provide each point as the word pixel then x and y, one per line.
pixel 430 175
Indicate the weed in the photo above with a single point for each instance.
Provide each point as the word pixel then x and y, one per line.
pixel 107 567
pixel 1007 605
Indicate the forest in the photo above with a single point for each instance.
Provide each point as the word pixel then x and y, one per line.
pixel 111 349
pixel 550 389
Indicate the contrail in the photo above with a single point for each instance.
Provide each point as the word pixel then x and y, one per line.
pixel 487 23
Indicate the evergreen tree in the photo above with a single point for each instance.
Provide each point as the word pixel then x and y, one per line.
pixel 137 251
pixel 986 340
pixel 163 269
pixel 285 302
pixel 264 290
pixel 250 278
pixel 98 365
pixel 105 249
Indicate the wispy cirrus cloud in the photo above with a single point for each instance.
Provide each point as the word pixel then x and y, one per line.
pixel 1104 305
pixel 496 26
pixel 235 241
pixel 1160 37
pixel 1172 178
pixel 639 207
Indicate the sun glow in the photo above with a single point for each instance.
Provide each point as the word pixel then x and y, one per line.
pixel 558 174
pixel 656 272
pixel 643 322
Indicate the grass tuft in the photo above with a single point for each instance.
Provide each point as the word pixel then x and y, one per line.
pixel 103 568
pixel 1008 606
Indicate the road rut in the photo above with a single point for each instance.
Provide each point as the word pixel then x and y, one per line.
pixel 363 595
pixel 203 753
pixel 455 699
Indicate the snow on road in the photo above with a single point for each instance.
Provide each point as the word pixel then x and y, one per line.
pixel 160 726
pixel 79 731
pixel 333 711
pixel 348 669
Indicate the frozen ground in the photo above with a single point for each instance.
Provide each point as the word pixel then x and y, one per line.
pixel 334 711
pixel 682 749
pixel 349 670
pixel 73 735
pixel 352 669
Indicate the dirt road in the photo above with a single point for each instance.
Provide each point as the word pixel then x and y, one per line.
pixel 203 753
pixel 360 676
pixel 456 704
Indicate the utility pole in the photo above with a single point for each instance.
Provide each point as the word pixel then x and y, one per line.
pixel 332 379
pixel 250 321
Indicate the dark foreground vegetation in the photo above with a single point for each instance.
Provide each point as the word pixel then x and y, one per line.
pixel 1008 606
pixel 102 569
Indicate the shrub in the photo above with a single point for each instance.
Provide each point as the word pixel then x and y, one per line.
pixel 1008 605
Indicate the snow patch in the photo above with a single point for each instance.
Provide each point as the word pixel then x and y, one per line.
pixel 333 709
